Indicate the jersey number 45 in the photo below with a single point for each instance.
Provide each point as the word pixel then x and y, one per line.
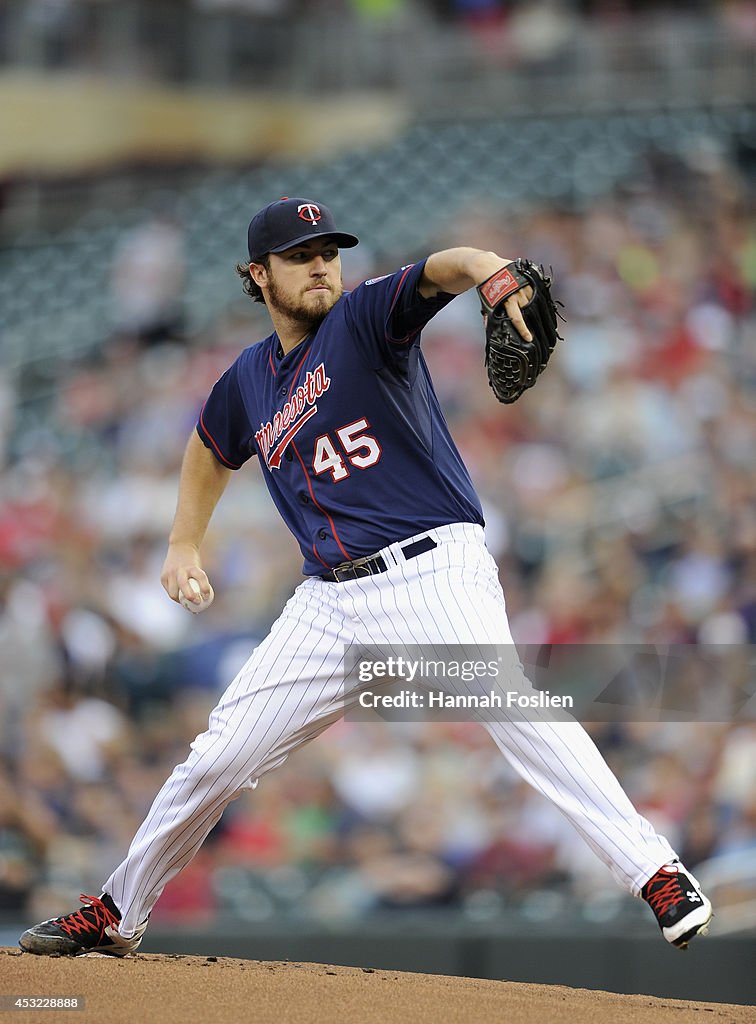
pixel 360 450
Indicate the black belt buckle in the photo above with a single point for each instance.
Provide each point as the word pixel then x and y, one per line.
pixel 371 565
pixel 368 566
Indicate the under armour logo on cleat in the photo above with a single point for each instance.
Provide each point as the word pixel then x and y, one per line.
pixel 693 896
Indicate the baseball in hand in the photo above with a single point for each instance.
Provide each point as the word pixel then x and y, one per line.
pixel 190 606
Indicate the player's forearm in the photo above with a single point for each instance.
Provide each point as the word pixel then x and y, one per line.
pixel 456 270
pixel 203 481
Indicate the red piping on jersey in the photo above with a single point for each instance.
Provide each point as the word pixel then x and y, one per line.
pixel 273 367
pixel 315 552
pixel 301 462
pixel 296 372
pixel 211 439
pixel 318 507
pixel 400 341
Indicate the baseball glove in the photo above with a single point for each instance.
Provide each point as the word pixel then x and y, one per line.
pixel 514 364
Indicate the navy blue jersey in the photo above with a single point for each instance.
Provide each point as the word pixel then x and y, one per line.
pixel 352 442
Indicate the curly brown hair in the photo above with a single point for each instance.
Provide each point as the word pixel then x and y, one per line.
pixel 250 288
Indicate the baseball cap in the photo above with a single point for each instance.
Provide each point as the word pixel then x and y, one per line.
pixel 289 222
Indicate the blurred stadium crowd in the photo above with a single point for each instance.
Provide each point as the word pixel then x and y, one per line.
pixel 277 44
pixel 620 499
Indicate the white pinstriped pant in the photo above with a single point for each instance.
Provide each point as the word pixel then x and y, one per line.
pixel 292 688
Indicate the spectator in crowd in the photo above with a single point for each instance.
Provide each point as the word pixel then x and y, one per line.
pixel 147 280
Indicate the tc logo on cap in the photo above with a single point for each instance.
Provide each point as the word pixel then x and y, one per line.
pixel 309 212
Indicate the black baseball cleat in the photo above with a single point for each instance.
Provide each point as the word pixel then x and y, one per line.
pixel 681 908
pixel 91 929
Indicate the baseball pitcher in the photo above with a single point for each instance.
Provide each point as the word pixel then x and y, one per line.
pixel 338 408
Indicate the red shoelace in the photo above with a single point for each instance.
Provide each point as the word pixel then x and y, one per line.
pixel 94 915
pixel 662 897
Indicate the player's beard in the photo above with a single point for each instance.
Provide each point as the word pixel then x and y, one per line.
pixel 310 309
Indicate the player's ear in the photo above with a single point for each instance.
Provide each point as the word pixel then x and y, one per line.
pixel 259 274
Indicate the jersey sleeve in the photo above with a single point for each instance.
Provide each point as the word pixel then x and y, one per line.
pixel 223 424
pixel 388 313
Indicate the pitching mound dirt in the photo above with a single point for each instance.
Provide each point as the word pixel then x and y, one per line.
pixel 184 989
